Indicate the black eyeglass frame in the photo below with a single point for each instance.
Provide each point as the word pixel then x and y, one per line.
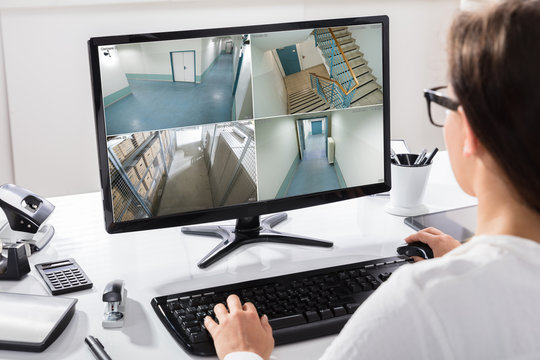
pixel 432 95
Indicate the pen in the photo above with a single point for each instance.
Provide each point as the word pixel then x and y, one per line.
pixel 420 157
pixel 394 157
pixel 97 348
pixel 430 157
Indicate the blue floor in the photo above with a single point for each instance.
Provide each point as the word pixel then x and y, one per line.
pixel 313 173
pixel 161 104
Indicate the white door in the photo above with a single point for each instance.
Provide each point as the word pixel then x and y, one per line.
pixel 189 66
pixel 184 66
pixel 228 47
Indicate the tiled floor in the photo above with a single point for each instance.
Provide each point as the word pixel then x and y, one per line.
pixel 187 187
pixel 313 173
pixel 159 104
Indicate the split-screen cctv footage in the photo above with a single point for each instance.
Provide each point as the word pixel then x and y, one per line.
pixel 201 123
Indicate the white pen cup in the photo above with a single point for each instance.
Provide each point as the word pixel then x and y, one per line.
pixel 408 186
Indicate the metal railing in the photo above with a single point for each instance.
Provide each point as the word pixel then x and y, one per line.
pixel 331 91
pixel 339 89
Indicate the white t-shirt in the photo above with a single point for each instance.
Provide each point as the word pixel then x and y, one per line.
pixel 479 301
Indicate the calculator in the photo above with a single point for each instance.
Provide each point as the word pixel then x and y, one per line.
pixel 63 276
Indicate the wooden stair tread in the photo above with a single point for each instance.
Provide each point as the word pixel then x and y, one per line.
pixel 315 106
pixel 305 99
pixel 307 104
pixel 364 90
pixel 373 98
pixel 300 93
pixel 344 40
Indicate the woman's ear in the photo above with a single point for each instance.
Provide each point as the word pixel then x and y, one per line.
pixel 470 143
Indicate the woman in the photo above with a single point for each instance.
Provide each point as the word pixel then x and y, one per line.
pixel 479 300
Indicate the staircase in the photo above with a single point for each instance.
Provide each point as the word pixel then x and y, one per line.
pixel 351 82
pixel 306 100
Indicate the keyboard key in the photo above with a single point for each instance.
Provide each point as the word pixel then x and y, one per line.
pixel 326 314
pixel 351 308
pixel 339 311
pixel 199 337
pixel 287 321
pixel 312 316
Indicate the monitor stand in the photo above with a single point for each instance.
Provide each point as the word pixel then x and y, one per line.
pixel 248 230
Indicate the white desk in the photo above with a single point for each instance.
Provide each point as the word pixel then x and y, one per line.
pixel 162 262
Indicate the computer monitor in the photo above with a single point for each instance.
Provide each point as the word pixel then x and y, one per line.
pixel 233 123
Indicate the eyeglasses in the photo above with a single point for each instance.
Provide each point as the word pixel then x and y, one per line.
pixel 442 103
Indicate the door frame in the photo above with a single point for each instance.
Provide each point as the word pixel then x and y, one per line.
pixel 301 135
pixel 297 58
pixel 301 142
pixel 194 64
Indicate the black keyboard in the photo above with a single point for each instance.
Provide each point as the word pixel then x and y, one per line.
pixel 299 306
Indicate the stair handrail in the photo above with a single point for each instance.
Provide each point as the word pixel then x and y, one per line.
pixel 345 58
pixel 337 98
pixel 345 92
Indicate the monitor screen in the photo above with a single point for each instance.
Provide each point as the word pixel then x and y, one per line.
pixel 206 125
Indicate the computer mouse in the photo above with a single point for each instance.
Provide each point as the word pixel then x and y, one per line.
pixel 416 248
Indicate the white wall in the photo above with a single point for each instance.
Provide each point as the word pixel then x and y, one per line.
pixel 243 99
pixel 369 39
pixel 113 76
pixel 358 135
pixel 6 154
pixel 309 55
pixel 210 48
pixel 277 147
pixel 272 41
pixel 269 92
pixel 47 92
pixel 154 58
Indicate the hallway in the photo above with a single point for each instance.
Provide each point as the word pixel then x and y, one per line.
pixel 160 105
pixel 188 186
pixel 313 173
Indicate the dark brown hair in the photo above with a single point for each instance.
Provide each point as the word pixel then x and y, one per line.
pixel 494 66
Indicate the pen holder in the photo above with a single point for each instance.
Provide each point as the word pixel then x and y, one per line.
pixel 408 186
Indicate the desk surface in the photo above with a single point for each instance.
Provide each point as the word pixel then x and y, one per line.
pixel 161 262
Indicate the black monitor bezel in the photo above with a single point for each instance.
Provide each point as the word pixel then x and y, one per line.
pixel 246 209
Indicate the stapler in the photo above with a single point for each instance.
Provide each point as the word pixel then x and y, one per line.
pixel 115 295
pixel 26 214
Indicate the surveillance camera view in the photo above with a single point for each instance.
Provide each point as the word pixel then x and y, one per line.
pixel 195 124
pixel 181 170
pixel 158 85
pixel 299 155
pixel 316 69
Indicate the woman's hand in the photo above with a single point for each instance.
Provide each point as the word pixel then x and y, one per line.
pixel 240 329
pixel 438 241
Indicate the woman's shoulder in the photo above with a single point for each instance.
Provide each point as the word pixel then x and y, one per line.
pixel 484 255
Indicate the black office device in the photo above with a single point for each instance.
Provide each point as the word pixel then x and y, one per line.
pixel 26 215
pixel 459 223
pixel 416 248
pixel 299 306
pixel 63 276
pixel 15 264
pixel 235 123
